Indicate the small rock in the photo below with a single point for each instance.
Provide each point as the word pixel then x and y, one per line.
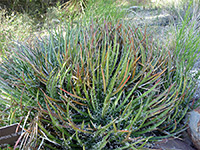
pixel 194 127
pixel 172 144
pixel 135 8
pixel 195 71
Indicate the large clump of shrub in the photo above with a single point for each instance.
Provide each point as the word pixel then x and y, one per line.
pixel 93 87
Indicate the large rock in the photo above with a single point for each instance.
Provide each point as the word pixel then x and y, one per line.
pixel 194 127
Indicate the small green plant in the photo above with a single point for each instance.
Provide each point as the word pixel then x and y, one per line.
pixel 100 86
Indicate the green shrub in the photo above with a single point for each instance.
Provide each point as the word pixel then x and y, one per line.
pixel 97 9
pixel 14 27
pixel 186 39
pixel 100 86
pixel 39 10
pixel 30 6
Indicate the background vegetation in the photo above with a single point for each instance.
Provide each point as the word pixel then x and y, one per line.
pixel 76 75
